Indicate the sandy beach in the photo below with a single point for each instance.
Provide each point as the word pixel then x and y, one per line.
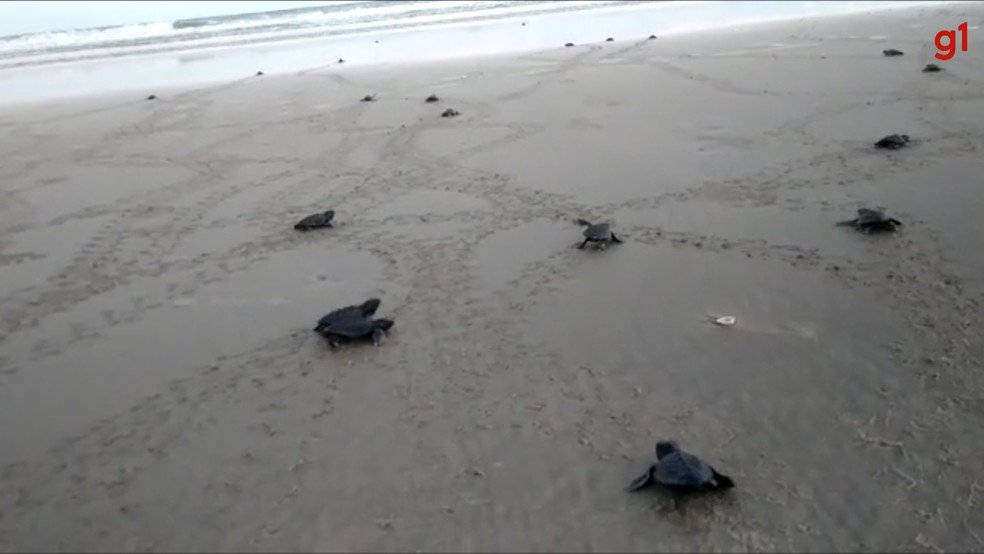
pixel 161 388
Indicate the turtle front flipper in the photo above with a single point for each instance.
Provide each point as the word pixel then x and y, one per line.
pixel 583 222
pixel 616 239
pixel 720 481
pixel 583 244
pixel 848 222
pixel 894 221
pixel 369 307
pixel 642 481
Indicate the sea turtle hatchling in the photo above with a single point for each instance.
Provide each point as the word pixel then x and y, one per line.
pixel 680 471
pixel 599 233
pixel 932 68
pixel 892 52
pixel 315 221
pixel 353 322
pixel 450 112
pixel 872 221
pixel 892 142
pixel 431 98
pixel 369 98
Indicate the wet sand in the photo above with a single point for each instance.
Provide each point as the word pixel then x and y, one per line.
pixel 161 389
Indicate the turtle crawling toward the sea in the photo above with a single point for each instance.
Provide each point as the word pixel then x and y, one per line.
pixel 568 45
pixel 369 98
pixel 892 52
pixel 353 322
pixel 450 112
pixel 315 221
pixel 680 471
pixel 932 68
pixel 872 221
pixel 600 233
pixel 431 98
pixel 892 142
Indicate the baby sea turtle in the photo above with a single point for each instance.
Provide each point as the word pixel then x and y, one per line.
pixel 432 98
pixel 680 471
pixel 652 37
pixel 892 52
pixel 259 73
pixel 152 97
pixel 340 60
pixel 892 142
pixel 353 322
pixel 450 112
pixel 568 45
pixel 600 233
pixel 609 39
pixel 369 98
pixel 932 68
pixel 315 221
pixel 872 221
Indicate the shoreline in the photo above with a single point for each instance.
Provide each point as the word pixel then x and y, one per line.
pixel 161 388
pixel 224 63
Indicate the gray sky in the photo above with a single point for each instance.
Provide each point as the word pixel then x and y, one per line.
pixel 31 17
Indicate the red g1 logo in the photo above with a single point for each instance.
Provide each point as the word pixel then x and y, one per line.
pixel 946 42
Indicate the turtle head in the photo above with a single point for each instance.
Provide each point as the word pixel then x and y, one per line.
pixel 370 306
pixel 329 215
pixel 905 138
pixel 583 222
pixel 665 448
pixel 383 324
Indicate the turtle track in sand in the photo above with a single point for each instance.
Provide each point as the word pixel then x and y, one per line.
pixel 460 376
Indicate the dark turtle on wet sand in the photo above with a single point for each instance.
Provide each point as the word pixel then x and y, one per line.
pixel 353 322
pixel 340 60
pixel 432 98
pixel 369 98
pixel 609 39
pixel 315 221
pixel 892 142
pixel 932 68
pixel 568 45
pixel 600 234
pixel 259 73
pixel 450 112
pixel 892 52
pixel 680 471
pixel 652 37
pixel 152 97
pixel 872 221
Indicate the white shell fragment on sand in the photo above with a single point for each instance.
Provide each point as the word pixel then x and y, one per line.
pixel 726 320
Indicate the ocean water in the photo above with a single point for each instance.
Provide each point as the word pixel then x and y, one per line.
pixel 208 49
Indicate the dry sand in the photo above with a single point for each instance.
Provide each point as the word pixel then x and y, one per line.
pixel 161 389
